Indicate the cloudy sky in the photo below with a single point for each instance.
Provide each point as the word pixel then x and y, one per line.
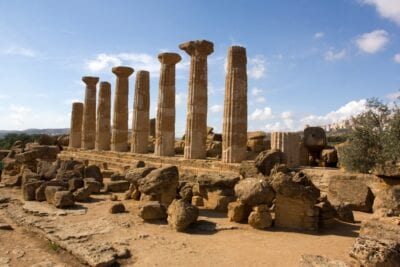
pixel 309 61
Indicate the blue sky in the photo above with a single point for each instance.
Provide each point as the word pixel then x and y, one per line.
pixel 309 61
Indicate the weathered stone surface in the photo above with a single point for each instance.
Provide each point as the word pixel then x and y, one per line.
pixel 165 122
pixel 63 199
pixel 50 192
pixel 266 160
pixel 314 139
pixel 40 193
pixel 216 200
pixel 185 191
pixel 75 136
pixel 214 149
pixel 378 243
pixel 295 202
pixel 356 194
pixel 103 125
pixel 47 170
pixel 197 201
pixel 320 261
pixel 329 157
pixel 141 107
pixel 92 185
pixel 196 118
pixel 253 192
pixel 153 127
pixel 29 189
pixel 82 195
pixel 74 184
pixel 248 169
pixel 116 186
pixel 181 214
pixel 344 213
pixel 234 130
pixel 213 182
pixel 238 212
pixel 388 200
pixel 256 141
pixel 260 217
pixel 119 138
pixel 152 210
pixel 28 175
pixel 327 212
pixel 161 183
pixel 93 171
pixel 89 113
pixel 388 169
pixel 117 208
pixel 134 175
pixel 289 144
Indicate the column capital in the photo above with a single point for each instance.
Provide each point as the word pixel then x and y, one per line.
pixel 90 80
pixel 105 83
pixel 169 58
pixel 122 71
pixel 198 47
pixel 142 73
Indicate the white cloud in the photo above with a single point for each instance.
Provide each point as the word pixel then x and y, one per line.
pixel 261 114
pixel 256 91
pixel 180 98
pixel 393 96
pixel 260 99
pixel 372 42
pixel 331 55
pixel 257 67
pixel 396 58
pixel 19 114
pixel 352 108
pixel 4 96
pixel 20 51
pixel 216 108
pixel 319 35
pixel 139 61
pixel 389 9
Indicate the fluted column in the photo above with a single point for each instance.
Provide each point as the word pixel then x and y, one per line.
pixel 288 143
pixel 196 120
pixel 141 119
pixel 234 128
pixel 103 125
pixel 89 113
pixel 119 138
pixel 75 135
pixel 165 122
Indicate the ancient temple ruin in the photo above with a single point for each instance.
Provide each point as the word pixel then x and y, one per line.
pixel 151 139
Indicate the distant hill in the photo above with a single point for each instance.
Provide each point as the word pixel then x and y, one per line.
pixel 36 131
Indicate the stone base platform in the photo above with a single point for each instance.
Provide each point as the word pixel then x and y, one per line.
pixel 123 160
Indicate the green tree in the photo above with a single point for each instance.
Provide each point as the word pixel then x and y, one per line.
pixel 9 139
pixel 374 139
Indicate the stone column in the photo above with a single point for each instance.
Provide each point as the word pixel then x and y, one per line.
pixel 165 121
pixel 141 118
pixel 103 127
pixel 89 113
pixel 119 138
pixel 234 128
pixel 196 120
pixel 288 143
pixel 75 135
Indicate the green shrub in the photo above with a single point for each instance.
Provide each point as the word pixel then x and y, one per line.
pixel 374 139
pixel 9 139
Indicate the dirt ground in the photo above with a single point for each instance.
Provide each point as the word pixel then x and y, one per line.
pixel 212 241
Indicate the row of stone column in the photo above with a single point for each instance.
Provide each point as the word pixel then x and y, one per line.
pixel 87 133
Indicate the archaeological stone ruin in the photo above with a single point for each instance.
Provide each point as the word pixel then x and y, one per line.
pixel 116 177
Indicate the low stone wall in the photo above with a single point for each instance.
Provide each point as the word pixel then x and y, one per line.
pixel 121 160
